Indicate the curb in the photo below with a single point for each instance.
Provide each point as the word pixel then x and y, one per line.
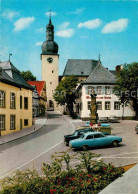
pixel 23 135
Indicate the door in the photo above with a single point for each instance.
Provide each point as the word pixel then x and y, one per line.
pixel 100 140
pixel 21 124
pixel 89 141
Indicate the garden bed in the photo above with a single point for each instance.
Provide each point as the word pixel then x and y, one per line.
pixel 90 176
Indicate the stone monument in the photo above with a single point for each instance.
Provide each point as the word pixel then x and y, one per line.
pixel 93 108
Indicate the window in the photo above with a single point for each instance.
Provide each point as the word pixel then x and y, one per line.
pixel 90 88
pixel 107 105
pixel 89 105
pixel 99 90
pixel 116 105
pixel 89 137
pixel 2 98
pixel 2 122
pixel 52 71
pixel 80 106
pixel 80 133
pixel 98 135
pixel 21 99
pixel 25 102
pixel 25 122
pixel 12 122
pixel 50 82
pixel 107 90
pixel 12 100
pixel 99 105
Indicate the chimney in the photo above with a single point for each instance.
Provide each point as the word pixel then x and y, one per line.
pixel 0 72
pixel 118 69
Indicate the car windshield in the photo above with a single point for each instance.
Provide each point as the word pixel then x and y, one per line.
pixel 82 136
pixel 75 133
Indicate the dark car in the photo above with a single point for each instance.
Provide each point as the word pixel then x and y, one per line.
pixel 103 120
pixel 76 135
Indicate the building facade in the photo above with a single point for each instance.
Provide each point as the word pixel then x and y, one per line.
pixel 35 107
pixel 50 61
pixel 92 74
pixel 39 97
pixel 15 100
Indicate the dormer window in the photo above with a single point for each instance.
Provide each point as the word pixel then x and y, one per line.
pixel 82 72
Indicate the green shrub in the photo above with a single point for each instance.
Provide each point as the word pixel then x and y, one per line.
pixel 90 176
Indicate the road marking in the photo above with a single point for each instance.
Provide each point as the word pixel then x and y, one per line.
pixel 36 156
pixel 112 156
pixel 31 160
pixel 121 154
pixel 119 157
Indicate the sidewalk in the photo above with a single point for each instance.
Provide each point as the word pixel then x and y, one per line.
pixel 127 184
pixel 39 123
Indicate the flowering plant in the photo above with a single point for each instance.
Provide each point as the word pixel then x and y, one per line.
pixel 90 176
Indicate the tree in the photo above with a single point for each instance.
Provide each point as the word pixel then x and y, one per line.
pixel 126 86
pixel 28 76
pixel 65 92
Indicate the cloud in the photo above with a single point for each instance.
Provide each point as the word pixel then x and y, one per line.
pixel 115 26
pixel 23 23
pixel 77 11
pixel 91 24
pixel 9 14
pixel 64 31
pixel 52 13
pixel 64 25
pixel 41 30
pixel 67 33
pixel 38 43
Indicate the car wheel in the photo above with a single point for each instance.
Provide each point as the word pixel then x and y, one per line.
pixel 115 143
pixel 84 147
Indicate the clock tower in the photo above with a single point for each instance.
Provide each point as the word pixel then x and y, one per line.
pixel 50 60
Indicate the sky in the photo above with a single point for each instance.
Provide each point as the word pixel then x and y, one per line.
pixel 83 30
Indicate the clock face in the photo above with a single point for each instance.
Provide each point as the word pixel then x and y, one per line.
pixel 50 59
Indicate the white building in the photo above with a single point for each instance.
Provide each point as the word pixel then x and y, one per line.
pixel 92 73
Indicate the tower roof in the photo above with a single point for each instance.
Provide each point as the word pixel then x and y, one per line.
pixel 49 47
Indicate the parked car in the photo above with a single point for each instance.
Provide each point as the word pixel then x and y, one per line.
pixel 76 135
pixel 136 128
pixel 94 139
pixel 87 124
pixel 103 120
pixel 105 125
pixel 113 119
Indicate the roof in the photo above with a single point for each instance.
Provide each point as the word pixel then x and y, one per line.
pixel 80 67
pixel 113 72
pixel 7 65
pixel 92 133
pixel 39 85
pixel 100 75
pixel 11 75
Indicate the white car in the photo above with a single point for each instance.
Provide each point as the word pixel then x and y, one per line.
pixel 113 119
pixel 136 128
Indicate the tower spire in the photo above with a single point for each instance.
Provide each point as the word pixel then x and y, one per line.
pixel 50 17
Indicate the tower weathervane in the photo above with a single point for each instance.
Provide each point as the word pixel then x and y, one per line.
pixel 10 54
pixel 99 57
